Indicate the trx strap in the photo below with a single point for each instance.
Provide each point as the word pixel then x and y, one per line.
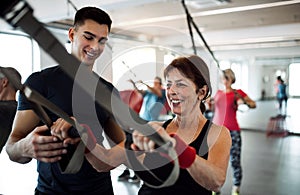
pixel 37 101
pixel 19 14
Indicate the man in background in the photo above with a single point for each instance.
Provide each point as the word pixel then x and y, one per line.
pixel 153 99
pixel 153 103
pixel 8 104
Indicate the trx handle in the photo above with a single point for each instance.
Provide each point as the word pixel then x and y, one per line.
pixel 137 165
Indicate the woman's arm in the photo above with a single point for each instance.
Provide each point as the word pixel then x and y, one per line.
pixel 243 98
pixel 211 173
pixel 104 160
pixel 249 102
pixel 101 158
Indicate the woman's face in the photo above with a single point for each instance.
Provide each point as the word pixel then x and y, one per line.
pixel 226 81
pixel 181 93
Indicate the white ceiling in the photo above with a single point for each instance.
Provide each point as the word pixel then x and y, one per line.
pixel 256 28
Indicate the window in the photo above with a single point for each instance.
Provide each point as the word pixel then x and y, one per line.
pixel 136 64
pixel 169 57
pixel 294 79
pixel 18 51
pixel 240 72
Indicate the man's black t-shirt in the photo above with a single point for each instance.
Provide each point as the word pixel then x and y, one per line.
pixel 57 87
pixel 7 114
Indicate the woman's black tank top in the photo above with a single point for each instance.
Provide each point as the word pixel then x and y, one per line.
pixel 185 184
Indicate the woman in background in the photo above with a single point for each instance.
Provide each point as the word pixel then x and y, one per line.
pixel 226 103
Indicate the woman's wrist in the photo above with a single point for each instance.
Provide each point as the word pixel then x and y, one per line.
pixel 186 154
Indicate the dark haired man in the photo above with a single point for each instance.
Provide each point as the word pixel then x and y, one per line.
pixel 29 140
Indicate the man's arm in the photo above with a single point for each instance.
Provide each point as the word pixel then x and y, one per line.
pixel 136 88
pixel 156 91
pixel 28 141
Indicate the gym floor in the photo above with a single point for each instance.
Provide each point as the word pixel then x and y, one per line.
pixel 271 164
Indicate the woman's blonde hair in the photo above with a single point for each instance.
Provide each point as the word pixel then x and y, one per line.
pixel 229 74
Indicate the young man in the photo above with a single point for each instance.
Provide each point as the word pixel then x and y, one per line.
pixel 8 104
pixel 29 140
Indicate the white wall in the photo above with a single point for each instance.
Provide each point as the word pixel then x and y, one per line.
pixel 46 59
pixel 254 78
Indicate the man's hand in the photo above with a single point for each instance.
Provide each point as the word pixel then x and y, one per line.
pixel 42 146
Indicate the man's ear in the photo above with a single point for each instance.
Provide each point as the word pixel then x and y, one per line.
pixel 4 82
pixel 71 34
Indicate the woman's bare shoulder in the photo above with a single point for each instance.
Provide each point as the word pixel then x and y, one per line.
pixel 218 133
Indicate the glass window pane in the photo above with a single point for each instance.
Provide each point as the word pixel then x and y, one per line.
pixel 136 64
pixel 16 51
pixel 294 79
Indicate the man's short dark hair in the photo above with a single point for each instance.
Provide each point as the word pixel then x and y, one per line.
pixel 92 13
pixel 159 79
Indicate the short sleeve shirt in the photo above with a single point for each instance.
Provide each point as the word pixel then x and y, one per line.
pixel 225 109
pixel 152 105
pixel 57 87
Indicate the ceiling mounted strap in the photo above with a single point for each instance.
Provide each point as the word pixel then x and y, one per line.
pixel 190 22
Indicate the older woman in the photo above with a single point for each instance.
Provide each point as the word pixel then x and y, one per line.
pixel 203 148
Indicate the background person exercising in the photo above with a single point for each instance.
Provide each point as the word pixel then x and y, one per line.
pixel 225 108
pixel 8 104
pixel 153 99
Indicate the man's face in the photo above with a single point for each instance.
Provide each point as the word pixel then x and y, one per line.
pixel 226 81
pixel 88 41
pixel 156 83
